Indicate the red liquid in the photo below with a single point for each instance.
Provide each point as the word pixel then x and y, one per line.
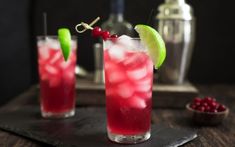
pixel 57 80
pixel 128 83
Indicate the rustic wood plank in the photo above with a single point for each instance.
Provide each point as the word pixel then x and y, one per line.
pixel 10 140
pixel 220 136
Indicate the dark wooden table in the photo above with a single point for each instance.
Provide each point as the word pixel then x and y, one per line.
pixel 217 136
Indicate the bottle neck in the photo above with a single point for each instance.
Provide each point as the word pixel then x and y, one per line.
pixel 175 1
pixel 117 8
pixel 116 17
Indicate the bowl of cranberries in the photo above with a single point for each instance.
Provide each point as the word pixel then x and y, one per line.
pixel 207 111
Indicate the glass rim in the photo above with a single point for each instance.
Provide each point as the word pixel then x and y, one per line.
pixel 43 37
pixel 132 38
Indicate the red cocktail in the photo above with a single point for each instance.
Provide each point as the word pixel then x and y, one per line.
pixel 128 85
pixel 57 78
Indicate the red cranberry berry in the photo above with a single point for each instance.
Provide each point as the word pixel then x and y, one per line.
pixel 207 109
pixel 208 99
pixel 105 35
pixel 201 108
pixel 96 32
pixel 221 108
pixel 198 104
pixel 213 110
pixel 204 104
pixel 193 106
pixel 197 99
pixel 213 105
pixel 114 37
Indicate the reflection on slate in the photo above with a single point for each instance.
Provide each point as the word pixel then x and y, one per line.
pixel 86 129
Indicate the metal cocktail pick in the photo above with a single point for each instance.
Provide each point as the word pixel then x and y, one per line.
pixel 84 26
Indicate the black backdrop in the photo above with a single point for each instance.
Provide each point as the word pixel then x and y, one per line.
pixel 212 61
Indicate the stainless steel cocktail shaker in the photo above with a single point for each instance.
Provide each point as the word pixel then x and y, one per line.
pixel 175 22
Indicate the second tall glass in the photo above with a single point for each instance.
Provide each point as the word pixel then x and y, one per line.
pixel 128 87
pixel 57 78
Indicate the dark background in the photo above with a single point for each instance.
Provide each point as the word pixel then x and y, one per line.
pixel 20 21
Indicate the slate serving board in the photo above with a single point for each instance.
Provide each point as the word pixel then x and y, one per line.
pixel 86 129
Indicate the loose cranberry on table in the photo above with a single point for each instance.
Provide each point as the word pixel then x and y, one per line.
pixel 207 104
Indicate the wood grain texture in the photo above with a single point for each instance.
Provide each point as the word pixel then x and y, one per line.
pixel 217 136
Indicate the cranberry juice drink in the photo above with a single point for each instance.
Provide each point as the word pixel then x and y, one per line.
pixel 128 85
pixel 57 78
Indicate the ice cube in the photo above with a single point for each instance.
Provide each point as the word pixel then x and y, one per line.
pixel 52 43
pixel 137 102
pixel 43 52
pixel 65 64
pixel 124 40
pixel 51 70
pixel 57 56
pixel 125 90
pixel 135 60
pixel 137 74
pixel 143 88
pixel 145 81
pixel 149 66
pixel 116 53
pixel 127 42
pixel 116 76
pixel 145 95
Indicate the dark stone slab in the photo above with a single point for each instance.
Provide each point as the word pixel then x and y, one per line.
pixel 86 129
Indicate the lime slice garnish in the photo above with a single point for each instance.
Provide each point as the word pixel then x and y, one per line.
pixel 154 43
pixel 65 42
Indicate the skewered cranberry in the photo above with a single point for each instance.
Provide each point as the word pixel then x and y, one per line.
pixel 105 35
pixel 96 32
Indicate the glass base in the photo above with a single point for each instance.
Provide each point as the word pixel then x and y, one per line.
pixel 129 139
pixel 58 115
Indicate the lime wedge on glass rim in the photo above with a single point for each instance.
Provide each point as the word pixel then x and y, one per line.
pixel 65 42
pixel 154 43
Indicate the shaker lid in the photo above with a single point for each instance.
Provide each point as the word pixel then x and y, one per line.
pixel 175 9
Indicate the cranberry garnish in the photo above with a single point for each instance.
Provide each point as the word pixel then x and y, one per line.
pixel 114 36
pixel 105 35
pixel 96 32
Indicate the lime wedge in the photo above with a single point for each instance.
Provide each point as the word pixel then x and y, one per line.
pixel 65 42
pixel 154 43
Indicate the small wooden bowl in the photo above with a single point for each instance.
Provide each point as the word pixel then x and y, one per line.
pixel 207 118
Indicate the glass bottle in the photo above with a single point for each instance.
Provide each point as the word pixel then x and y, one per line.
pixel 116 24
